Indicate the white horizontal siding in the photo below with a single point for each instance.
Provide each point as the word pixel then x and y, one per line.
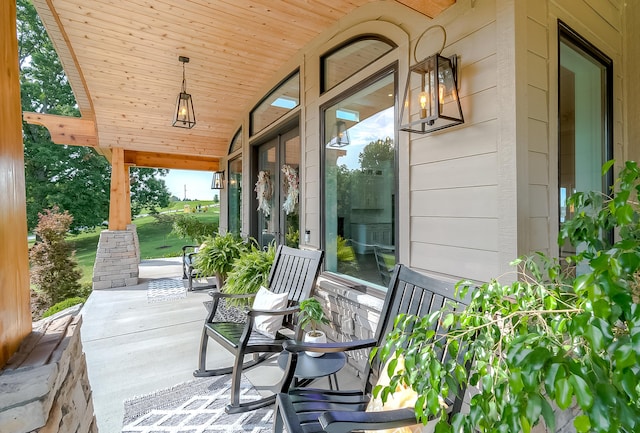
pixel 472 202
pixel 464 232
pixel 459 142
pixel 479 170
pixel 478 265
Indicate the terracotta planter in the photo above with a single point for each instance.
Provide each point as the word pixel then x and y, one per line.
pixel 315 337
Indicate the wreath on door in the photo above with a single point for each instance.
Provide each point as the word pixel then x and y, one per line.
pixel 264 192
pixel 291 189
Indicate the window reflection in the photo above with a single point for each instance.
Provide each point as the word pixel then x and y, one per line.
pixel 360 183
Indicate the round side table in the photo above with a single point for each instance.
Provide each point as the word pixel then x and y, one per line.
pixel 309 368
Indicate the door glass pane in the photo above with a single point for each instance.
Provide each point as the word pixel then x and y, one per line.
pixel 235 196
pixel 583 142
pixel 267 175
pixel 290 173
pixel 359 183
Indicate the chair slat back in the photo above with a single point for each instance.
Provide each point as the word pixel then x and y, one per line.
pixel 413 293
pixel 294 271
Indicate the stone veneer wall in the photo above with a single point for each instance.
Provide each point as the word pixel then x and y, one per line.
pixel 45 388
pixel 354 316
pixel 117 259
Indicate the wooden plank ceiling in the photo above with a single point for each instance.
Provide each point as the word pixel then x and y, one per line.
pixel 121 57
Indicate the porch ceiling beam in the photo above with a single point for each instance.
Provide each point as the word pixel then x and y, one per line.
pixel 431 8
pixel 171 161
pixel 74 131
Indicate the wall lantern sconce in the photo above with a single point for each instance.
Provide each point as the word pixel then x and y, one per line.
pixel 431 99
pixel 340 136
pixel 218 180
pixel 185 116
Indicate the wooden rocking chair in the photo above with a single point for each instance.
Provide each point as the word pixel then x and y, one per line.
pixel 294 272
pixel 305 410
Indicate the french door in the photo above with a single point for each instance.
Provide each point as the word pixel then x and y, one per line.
pixel 277 190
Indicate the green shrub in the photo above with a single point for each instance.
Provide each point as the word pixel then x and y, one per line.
pixel 561 335
pixel 63 306
pixel 250 271
pixel 54 269
pixel 190 227
pixel 217 255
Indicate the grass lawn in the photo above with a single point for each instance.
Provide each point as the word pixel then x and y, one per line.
pixel 156 239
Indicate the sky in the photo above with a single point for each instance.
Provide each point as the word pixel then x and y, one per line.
pixel 198 184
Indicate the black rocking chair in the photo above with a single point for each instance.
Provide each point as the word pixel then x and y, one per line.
pixel 304 410
pixel 293 271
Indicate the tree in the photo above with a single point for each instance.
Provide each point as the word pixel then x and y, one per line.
pixel 376 153
pixel 54 270
pixel 148 191
pixel 75 178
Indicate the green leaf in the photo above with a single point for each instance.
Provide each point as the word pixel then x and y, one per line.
pixel 607 165
pixel 595 337
pixel 549 415
pixel 442 427
pixel 624 214
pixel 448 320
pixel 526 427
pixel 534 407
pixel 563 393
pixel 537 358
pixel 515 381
pixel 433 403
pixel 582 391
pixel 582 423
pixel 625 356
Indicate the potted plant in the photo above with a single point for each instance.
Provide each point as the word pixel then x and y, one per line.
pixel 311 313
pixel 562 336
pixel 250 271
pixel 217 255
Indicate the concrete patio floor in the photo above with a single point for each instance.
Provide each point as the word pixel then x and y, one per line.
pixel 134 347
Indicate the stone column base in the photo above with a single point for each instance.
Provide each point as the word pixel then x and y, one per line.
pixel 116 259
pixel 45 386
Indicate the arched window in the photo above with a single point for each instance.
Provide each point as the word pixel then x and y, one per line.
pixel 354 55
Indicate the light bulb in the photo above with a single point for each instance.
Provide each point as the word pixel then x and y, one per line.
pixel 424 98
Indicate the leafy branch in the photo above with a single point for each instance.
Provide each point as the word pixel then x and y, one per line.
pixel 564 334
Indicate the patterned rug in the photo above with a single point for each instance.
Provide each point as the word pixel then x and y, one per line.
pixel 165 290
pixel 196 406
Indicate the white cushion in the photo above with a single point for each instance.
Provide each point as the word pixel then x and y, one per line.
pixel 403 397
pixel 267 300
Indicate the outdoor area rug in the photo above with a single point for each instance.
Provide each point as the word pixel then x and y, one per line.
pixel 165 290
pixel 196 406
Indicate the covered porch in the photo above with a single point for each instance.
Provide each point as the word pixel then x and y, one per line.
pixel 463 202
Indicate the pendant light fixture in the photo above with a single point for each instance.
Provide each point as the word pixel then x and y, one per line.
pixel 185 116
pixel 340 136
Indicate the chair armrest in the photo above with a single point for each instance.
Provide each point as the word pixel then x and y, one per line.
pixel 300 346
pixel 283 312
pixel 184 248
pixel 344 421
pixel 216 294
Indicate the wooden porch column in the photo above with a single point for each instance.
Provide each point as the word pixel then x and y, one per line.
pixel 120 199
pixel 117 256
pixel 15 309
